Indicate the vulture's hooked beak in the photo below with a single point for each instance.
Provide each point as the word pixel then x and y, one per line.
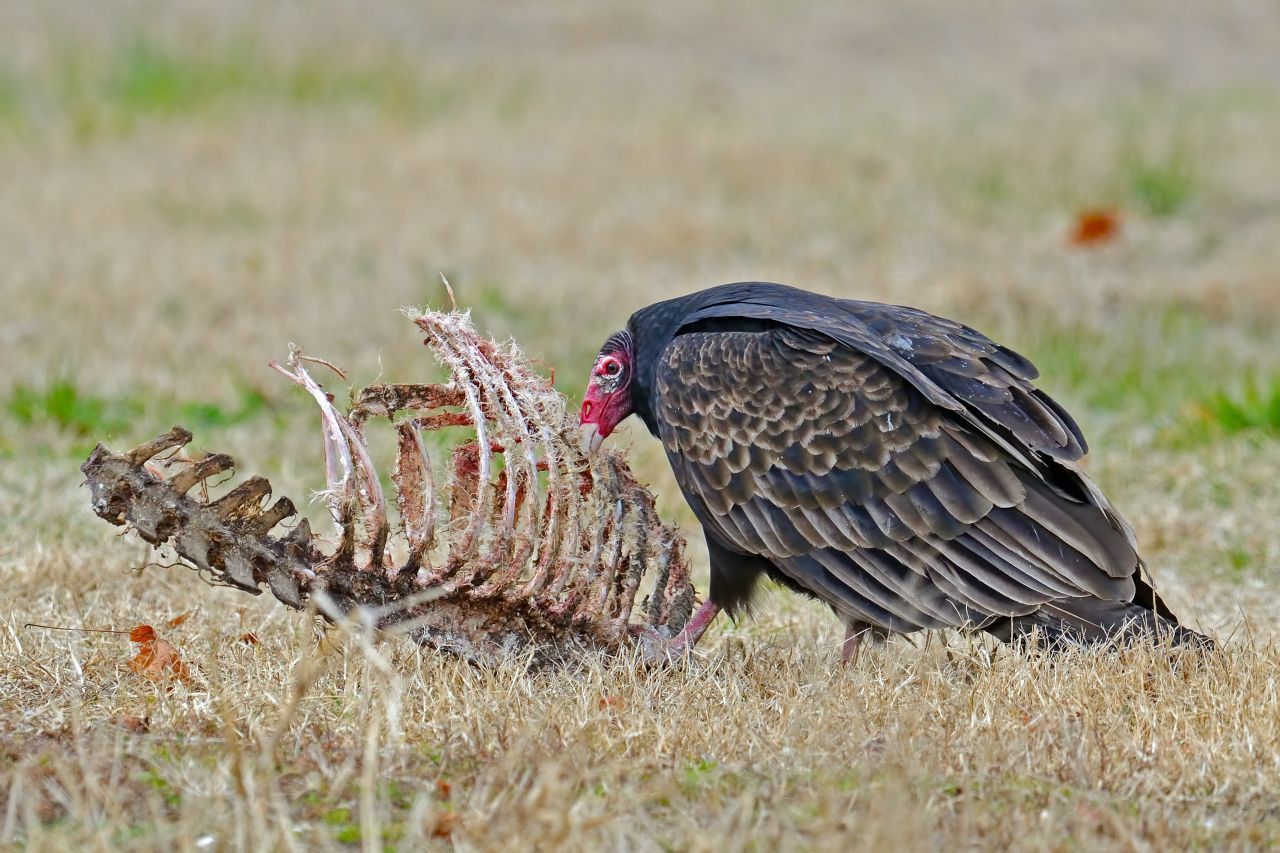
pixel 604 406
pixel 589 438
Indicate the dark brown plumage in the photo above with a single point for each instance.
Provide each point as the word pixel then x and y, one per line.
pixel 899 466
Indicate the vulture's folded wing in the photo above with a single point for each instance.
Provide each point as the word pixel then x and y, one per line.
pixel 855 483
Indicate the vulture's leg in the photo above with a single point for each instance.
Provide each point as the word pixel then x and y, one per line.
pixel 855 634
pixel 735 576
pixel 733 579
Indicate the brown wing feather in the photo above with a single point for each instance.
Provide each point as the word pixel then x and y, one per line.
pixel 855 485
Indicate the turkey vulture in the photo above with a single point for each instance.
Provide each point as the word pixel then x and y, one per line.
pixel 896 465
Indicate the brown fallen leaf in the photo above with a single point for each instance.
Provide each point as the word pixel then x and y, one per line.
pixel 1097 226
pixel 157 659
pixel 445 823
pixel 133 723
pixel 179 619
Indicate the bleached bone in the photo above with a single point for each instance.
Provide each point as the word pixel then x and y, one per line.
pixel 557 566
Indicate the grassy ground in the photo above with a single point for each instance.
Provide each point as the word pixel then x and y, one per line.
pixel 189 186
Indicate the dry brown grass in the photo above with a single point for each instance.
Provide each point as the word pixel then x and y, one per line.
pixel 169 222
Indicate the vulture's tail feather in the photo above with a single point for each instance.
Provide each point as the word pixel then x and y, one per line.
pixel 1076 622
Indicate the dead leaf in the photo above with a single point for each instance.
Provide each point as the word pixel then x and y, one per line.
pixel 157 659
pixel 179 619
pixel 133 723
pixel 1095 226
pixel 615 703
pixel 249 638
pixel 445 823
pixel 444 789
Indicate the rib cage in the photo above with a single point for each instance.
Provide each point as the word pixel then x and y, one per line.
pixel 525 542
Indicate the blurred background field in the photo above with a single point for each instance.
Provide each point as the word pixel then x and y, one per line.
pixel 185 187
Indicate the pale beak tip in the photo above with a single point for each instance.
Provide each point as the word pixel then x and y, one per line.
pixel 589 438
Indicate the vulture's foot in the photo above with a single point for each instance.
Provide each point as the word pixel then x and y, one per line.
pixel 658 647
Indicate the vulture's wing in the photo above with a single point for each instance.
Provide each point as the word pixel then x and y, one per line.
pixel 884 498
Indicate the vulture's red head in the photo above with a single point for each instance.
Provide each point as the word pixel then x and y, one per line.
pixel 608 398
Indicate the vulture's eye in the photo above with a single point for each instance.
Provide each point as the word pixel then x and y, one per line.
pixel 610 367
